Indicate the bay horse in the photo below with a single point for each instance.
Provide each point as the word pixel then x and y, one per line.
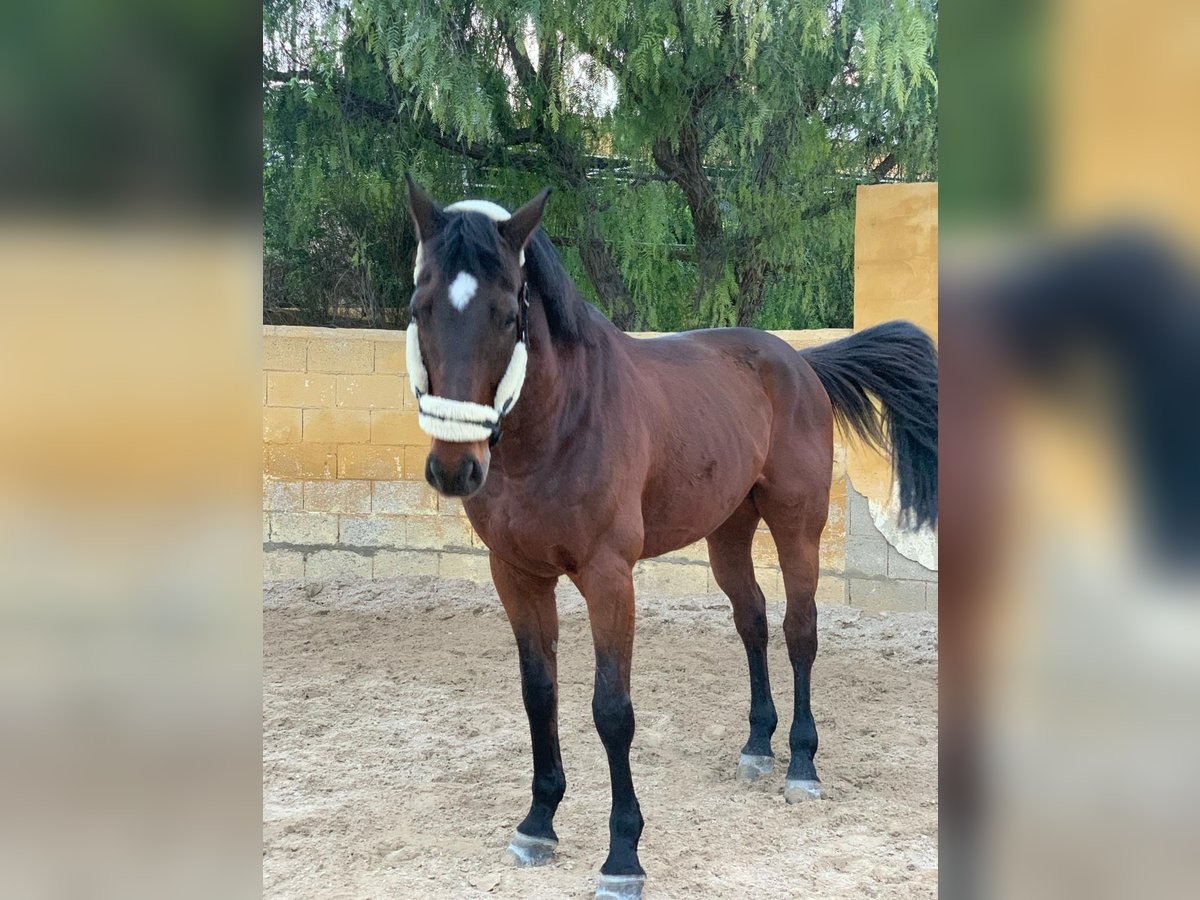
pixel 579 450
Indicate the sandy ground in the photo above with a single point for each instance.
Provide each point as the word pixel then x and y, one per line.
pixel 396 751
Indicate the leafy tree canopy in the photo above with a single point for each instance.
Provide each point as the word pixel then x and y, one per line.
pixel 705 152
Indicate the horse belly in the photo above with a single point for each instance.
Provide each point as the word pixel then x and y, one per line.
pixel 700 489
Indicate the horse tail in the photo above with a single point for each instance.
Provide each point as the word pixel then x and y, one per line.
pixel 897 363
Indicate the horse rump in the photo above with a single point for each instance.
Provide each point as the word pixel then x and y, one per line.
pixel 895 362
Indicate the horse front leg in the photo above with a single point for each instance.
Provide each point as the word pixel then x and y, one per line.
pixel 607 587
pixel 529 602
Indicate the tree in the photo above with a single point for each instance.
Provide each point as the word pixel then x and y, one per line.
pixel 706 152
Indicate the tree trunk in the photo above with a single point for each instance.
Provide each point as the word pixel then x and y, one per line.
pixel 752 287
pixel 685 167
pixel 606 278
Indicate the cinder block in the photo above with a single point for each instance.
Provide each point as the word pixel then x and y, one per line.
pixel 283 565
pixel 867 554
pixel 395 563
pixel 410 399
pixel 673 579
pixel 337 426
pixel 831 589
pixel 471 566
pixel 301 389
pixel 878 594
pixel 762 550
pixel 403 498
pixel 693 553
pixel 861 520
pixel 284 353
pixel 839 460
pixel 770 580
pixel 414 461
pixel 370 391
pixel 304 528
pixel 353 355
pixel 446 506
pixel 266 527
pixel 298 461
pixel 397 426
pixel 389 357
pixel 372 531
pixel 323 564
pixel 372 461
pixel 337 496
pixel 931 597
pixel 900 566
pixel 833 538
pixel 438 532
pixel 281 425
pixel 282 496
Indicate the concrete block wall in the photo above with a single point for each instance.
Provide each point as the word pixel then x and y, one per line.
pixel 343 476
pixel 878 576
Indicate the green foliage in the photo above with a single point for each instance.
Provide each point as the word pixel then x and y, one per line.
pixel 705 152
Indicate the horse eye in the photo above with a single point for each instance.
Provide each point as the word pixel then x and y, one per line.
pixel 509 322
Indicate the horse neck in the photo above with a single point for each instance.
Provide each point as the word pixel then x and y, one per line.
pixel 555 395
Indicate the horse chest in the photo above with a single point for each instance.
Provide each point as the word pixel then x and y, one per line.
pixel 541 536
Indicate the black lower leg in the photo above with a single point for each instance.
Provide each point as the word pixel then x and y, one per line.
pixel 803 736
pixel 613 713
pixel 539 692
pixel 763 719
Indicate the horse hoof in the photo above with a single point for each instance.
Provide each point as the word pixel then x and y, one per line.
pixel 525 851
pixel 752 768
pixel 620 887
pixel 798 790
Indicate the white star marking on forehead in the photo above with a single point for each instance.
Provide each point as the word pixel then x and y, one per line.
pixel 462 289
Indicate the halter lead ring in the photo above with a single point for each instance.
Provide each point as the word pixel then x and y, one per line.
pixel 460 421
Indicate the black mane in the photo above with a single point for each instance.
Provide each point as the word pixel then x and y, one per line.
pixel 566 311
pixel 470 242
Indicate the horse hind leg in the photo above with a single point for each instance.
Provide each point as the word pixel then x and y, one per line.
pixel 798 547
pixel 729 552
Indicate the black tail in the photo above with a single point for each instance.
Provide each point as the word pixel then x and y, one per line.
pixel 897 362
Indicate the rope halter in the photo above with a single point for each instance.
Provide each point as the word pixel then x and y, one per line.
pixel 460 421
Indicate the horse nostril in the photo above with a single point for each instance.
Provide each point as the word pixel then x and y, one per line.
pixel 473 476
pixel 434 473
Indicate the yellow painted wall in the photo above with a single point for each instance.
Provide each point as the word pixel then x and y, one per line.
pixel 895 277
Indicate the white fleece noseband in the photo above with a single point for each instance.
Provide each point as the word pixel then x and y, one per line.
pixel 460 421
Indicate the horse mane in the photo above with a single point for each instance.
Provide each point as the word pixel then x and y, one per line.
pixel 567 313
pixel 469 241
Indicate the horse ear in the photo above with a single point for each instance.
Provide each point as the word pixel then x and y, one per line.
pixel 518 229
pixel 426 215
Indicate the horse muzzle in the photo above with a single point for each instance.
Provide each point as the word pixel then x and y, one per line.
pixel 457 469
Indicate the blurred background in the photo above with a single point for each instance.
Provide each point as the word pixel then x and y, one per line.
pixel 132 295
pixel 130 274
pixel 1070 552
